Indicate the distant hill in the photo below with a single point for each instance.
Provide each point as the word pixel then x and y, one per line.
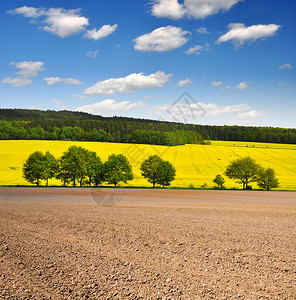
pixel 68 125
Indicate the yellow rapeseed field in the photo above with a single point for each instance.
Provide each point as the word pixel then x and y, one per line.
pixel 195 164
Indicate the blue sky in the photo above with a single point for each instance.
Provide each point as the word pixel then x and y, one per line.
pixel 235 59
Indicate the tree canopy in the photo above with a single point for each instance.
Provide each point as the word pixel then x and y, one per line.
pixel 244 170
pixel 117 168
pixel 267 179
pixel 157 171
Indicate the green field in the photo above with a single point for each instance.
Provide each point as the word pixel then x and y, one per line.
pixel 195 164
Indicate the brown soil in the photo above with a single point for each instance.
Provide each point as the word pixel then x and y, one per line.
pixel 146 244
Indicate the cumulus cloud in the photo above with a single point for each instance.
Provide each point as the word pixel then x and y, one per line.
pixel 202 30
pixel 27 11
pixel 27 70
pixel 130 83
pixel 184 82
pixel 187 110
pixel 110 106
pixel 216 83
pixel 92 54
pixel 242 86
pixel 197 49
pixel 198 9
pixel 54 80
pixel 239 33
pixel 171 9
pixel 286 66
pixel 252 114
pixel 97 34
pixel 17 82
pixel 162 39
pixel 79 96
pixel 63 22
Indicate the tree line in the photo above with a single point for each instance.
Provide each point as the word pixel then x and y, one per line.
pixel 78 126
pixel 79 166
pixel 246 170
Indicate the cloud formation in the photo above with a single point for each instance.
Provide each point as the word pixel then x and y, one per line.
pixel 239 33
pixel 242 86
pixel 110 106
pixel 54 80
pixel 130 83
pixel 184 82
pixel 97 34
pixel 27 70
pixel 216 83
pixel 162 39
pixel 63 22
pixel 198 9
pixel 202 30
pixel 92 54
pixel 197 49
pixel 286 66
pixel 187 111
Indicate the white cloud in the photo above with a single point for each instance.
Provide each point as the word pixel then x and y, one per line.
pixel 63 22
pixel 198 9
pixel 27 70
pixel 130 83
pixel 194 50
pixel 281 83
pixel 197 49
pixel 286 66
pixel 216 83
pixel 252 114
pixel 249 117
pixel 56 101
pixel 162 39
pixel 188 110
pixel 242 86
pixel 171 9
pixel 224 88
pixel 27 11
pixel 79 96
pixel 110 106
pixel 17 82
pixel 54 80
pixel 97 34
pixel 238 33
pixel 202 30
pixel 184 82
pixel 92 54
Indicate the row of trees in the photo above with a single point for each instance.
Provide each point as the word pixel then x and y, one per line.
pixel 36 124
pixel 80 166
pixel 245 171
pixel 22 130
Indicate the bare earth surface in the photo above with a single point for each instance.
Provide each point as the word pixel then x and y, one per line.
pixel 61 243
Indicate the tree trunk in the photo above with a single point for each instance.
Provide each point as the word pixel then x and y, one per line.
pixel 46 181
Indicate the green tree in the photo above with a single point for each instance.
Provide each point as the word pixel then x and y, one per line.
pixel 94 169
pixel 244 170
pixel 165 173
pixel 51 166
pixel 267 179
pixel 219 180
pixel 73 165
pixel 33 168
pixel 117 168
pixel 149 168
